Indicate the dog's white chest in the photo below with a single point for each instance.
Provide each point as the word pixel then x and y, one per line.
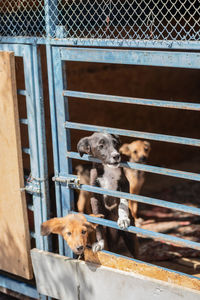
pixel 110 178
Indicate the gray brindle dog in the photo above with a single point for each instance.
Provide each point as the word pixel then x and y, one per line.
pixel 109 175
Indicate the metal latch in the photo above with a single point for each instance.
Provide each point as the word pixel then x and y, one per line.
pixel 32 184
pixel 69 181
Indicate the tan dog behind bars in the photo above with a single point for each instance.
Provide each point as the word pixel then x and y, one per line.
pixel 137 152
pixel 75 230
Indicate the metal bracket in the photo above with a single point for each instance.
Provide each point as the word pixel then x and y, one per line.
pixel 69 181
pixel 32 187
pixel 32 184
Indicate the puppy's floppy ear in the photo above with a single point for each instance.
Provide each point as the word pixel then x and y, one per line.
pixel 92 226
pixel 84 146
pixel 125 149
pixel 147 144
pixel 55 225
pixel 117 138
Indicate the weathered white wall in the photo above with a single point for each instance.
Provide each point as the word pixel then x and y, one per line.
pixel 68 279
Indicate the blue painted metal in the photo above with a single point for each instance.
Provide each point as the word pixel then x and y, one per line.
pixel 141 167
pixel 132 197
pixel 26 150
pixel 21 92
pixel 51 13
pixel 114 43
pixel 133 57
pixel 146 233
pixel 37 145
pixel 18 286
pixel 54 137
pixel 130 100
pixel 41 142
pixel 24 121
pixel 61 111
pixel 135 134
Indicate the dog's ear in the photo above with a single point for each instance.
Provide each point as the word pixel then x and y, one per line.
pixel 148 145
pixel 83 146
pixel 117 138
pixel 55 225
pixel 125 149
pixel 92 226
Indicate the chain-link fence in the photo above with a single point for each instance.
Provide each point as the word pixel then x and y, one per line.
pixel 103 19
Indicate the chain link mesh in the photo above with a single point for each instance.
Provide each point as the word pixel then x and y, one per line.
pixel 22 18
pixel 104 19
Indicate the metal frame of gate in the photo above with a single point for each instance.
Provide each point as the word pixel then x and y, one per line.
pixel 60 48
pixel 38 186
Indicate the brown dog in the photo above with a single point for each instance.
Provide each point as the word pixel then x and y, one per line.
pixel 137 152
pixel 74 228
pixel 83 203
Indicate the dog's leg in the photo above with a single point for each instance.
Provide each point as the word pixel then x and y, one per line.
pixel 131 240
pixel 97 209
pixel 123 214
pixel 83 203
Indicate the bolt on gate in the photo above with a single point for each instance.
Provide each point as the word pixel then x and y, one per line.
pixel 138 33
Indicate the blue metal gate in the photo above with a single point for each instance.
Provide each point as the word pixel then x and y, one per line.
pixel 65 27
pixel 62 133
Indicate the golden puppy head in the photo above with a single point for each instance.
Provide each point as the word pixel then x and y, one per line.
pixel 74 228
pixel 137 151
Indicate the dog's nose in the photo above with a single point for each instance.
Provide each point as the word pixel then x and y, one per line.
pixel 116 157
pixel 80 248
pixel 143 158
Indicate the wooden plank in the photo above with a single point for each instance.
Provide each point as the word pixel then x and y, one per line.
pixel 138 267
pixel 14 232
pixel 65 278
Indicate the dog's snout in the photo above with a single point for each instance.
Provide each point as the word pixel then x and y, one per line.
pixel 116 156
pixel 79 248
pixel 143 158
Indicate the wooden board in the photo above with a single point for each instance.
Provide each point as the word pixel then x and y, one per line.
pixel 14 232
pixel 64 278
pixel 105 258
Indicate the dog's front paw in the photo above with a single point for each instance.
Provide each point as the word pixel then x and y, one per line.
pixel 123 222
pixel 98 246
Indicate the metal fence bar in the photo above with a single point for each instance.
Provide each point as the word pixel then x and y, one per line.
pixel 24 121
pixel 54 137
pixel 133 57
pixel 26 150
pixel 142 167
pixel 137 198
pixel 33 138
pixel 19 286
pixel 146 233
pixel 21 92
pixel 63 137
pixel 114 43
pixel 130 100
pixel 135 134
pixel 41 141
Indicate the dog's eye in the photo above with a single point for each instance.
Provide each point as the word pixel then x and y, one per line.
pixel 69 233
pixel 101 146
pixel 83 231
pixel 135 151
pixel 146 149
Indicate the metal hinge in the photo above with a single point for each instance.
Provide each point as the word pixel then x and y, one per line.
pixel 69 181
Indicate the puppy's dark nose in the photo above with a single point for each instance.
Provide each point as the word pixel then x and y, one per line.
pixel 116 157
pixel 143 158
pixel 80 248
